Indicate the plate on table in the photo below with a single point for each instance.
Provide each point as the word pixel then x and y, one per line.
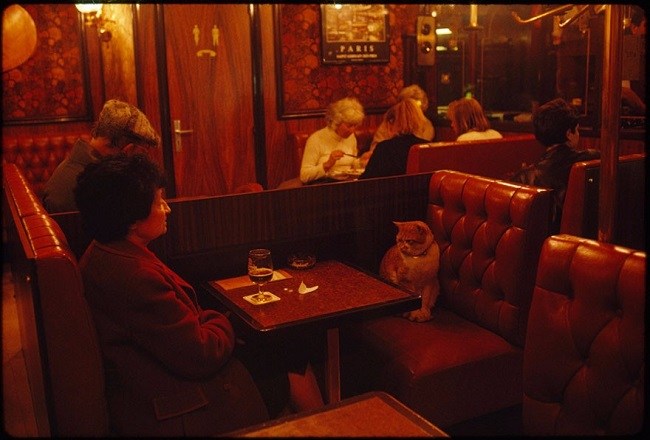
pixel 346 174
pixel 356 172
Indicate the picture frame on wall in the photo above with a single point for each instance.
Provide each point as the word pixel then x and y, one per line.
pixel 355 33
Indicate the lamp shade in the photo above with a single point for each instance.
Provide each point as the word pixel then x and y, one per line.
pixel 86 8
pixel 18 37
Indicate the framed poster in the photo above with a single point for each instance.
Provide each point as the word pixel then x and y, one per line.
pixel 355 34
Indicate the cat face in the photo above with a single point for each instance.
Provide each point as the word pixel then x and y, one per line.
pixel 413 237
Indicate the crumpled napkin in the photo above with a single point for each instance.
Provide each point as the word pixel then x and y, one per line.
pixel 302 289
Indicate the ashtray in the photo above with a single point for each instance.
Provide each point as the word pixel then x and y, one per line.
pixel 302 261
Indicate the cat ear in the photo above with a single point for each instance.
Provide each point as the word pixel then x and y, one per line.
pixel 398 224
pixel 422 226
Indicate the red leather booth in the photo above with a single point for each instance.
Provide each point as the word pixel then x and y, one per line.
pixel 467 360
pixel 584 358
pixel 37 157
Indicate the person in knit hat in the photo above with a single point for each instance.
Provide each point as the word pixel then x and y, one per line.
pixel 120 127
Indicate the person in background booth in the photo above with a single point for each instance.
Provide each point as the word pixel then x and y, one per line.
pixel 469 121
pixel 333 147
pixel 119 127
pixel 556 127
pixel 403 121
pixel 425 130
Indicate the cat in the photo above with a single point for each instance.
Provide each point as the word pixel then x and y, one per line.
pixel 413 263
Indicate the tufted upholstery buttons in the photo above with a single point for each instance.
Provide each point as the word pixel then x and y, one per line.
pixel 584 362
pixel 487 248
pixel 37 157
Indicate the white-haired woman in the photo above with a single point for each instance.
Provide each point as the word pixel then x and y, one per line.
pixel 334 147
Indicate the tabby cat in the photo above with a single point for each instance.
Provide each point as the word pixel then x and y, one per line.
pixel 413 263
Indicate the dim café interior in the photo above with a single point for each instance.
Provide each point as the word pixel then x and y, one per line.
pixel 418 282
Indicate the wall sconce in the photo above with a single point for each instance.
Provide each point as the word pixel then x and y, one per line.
pixel 92 13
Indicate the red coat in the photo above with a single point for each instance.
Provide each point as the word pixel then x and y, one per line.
pixel 163 355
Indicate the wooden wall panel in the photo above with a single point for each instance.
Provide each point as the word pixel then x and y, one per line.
pixel 209 237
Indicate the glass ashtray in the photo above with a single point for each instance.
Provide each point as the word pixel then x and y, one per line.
pixel 302 261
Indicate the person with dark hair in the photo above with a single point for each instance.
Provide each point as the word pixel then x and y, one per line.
pixel 119 127
pixel 556 127
pixel 167 361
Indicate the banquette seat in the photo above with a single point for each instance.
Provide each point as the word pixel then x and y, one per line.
pixel 59 340
pixel 467 360
pixel 37 157
pixel 58 336
pixel 580 212
pixel 494 158
pixel 584 361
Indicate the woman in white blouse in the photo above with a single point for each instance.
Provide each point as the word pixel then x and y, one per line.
pixel 334 147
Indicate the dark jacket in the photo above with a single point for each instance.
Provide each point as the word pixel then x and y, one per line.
pixel 552 171
pixel 167 361
pixel 389 157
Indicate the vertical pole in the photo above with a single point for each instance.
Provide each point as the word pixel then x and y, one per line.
pixel 259 131
pixel 609 134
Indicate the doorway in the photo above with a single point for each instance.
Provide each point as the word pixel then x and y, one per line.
pixel 210 97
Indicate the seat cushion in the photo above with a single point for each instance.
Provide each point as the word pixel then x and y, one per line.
pixel 447 369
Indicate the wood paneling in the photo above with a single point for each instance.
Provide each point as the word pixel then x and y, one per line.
pixel 209 237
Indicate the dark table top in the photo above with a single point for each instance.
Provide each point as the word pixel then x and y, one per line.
pixel 344 292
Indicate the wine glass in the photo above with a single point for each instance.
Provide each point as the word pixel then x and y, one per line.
pixel 260 271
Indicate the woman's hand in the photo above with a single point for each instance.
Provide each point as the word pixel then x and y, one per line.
pixel 334 156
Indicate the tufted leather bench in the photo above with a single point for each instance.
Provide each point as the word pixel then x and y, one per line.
pixel 494 158
pixel 37 157
pixel 584 361
pixel 467 361
pixel 59 341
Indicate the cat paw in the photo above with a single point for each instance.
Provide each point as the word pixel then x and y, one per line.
pixel 418 315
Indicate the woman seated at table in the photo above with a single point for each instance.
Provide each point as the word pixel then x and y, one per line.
pixel 168 362
pixel 469 121
pixel 383 132
pixel 403 122
pixel 333 148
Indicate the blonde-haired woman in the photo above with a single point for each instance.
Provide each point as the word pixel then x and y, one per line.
pixel 333 147
pixel 469 121
pixel 404 121
pixel 426 130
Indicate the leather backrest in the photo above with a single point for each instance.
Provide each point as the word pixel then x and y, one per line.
pixel 490 234
pixel 38 156
pixel 59 340
pixel 584 362
pixel 580 211
pixel 494 158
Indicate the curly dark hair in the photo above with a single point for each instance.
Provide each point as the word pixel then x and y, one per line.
pixel 115 192
pixel 552 121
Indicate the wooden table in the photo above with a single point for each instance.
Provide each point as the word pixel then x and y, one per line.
pixel 344 293
pixel 374 414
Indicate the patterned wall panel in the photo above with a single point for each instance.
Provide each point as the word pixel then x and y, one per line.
pixel 306 86
pixel 51 85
